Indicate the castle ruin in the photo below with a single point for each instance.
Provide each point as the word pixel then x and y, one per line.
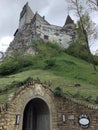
pixel 33 26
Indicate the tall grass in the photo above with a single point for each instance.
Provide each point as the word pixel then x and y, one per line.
pixel 54 66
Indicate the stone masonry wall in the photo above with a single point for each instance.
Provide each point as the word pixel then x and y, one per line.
pixel 72 110
pixel 58 107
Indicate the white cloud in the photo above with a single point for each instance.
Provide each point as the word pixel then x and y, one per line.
pixel 4 43
pixel 94 16
pixel 94 47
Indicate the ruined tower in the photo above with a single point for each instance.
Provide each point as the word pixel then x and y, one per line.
pixel 26 15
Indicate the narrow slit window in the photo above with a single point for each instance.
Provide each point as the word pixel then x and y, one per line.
pixel 46 37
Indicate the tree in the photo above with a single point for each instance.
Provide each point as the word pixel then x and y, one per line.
pixel 93 2
pixel 82 9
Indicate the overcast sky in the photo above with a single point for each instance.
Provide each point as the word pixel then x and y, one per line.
pixel 55 12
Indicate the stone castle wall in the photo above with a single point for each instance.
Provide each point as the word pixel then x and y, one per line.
pixel 59 108
pixel 54 34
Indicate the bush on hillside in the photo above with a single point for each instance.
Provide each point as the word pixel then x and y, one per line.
pixel 8 66
pixel 77 50
pixel 96 100
pixel 27 61
pixel 20 83
pixel 80 51
pixel 46 49
pixel 49 63
pixel 95 60
pixel 58 92
pixel 13 65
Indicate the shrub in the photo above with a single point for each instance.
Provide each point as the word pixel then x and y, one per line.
pixel 58 92
pixel 78 50
pixel 49 63
pixel 27 61
pixel 69 62
pixel 95 60
pixel 88 99
pixel 8 66
pixel 96 100
pixel 77 95
pixel 13 65
pixel 20 83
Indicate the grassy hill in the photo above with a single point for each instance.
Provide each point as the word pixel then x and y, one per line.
pixel 74 76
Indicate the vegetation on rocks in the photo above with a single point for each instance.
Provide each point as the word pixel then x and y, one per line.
pixel 75 76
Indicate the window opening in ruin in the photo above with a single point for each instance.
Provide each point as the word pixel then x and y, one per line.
pixel 46 37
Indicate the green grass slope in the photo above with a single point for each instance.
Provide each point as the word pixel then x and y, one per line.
pixel 75 77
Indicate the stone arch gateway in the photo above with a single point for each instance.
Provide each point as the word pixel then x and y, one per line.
pixel 36 115
pixel 35 104
pixel 35 107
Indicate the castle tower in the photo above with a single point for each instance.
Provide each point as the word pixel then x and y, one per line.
pixel 69 21
pixel 69 27
pixel 25 16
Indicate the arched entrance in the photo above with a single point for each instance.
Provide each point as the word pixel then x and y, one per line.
pixel 36 115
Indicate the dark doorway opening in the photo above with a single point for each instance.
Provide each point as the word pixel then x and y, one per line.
pixel 36 115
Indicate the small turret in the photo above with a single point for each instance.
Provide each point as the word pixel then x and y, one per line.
pixel 68 21
pixel 69 27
